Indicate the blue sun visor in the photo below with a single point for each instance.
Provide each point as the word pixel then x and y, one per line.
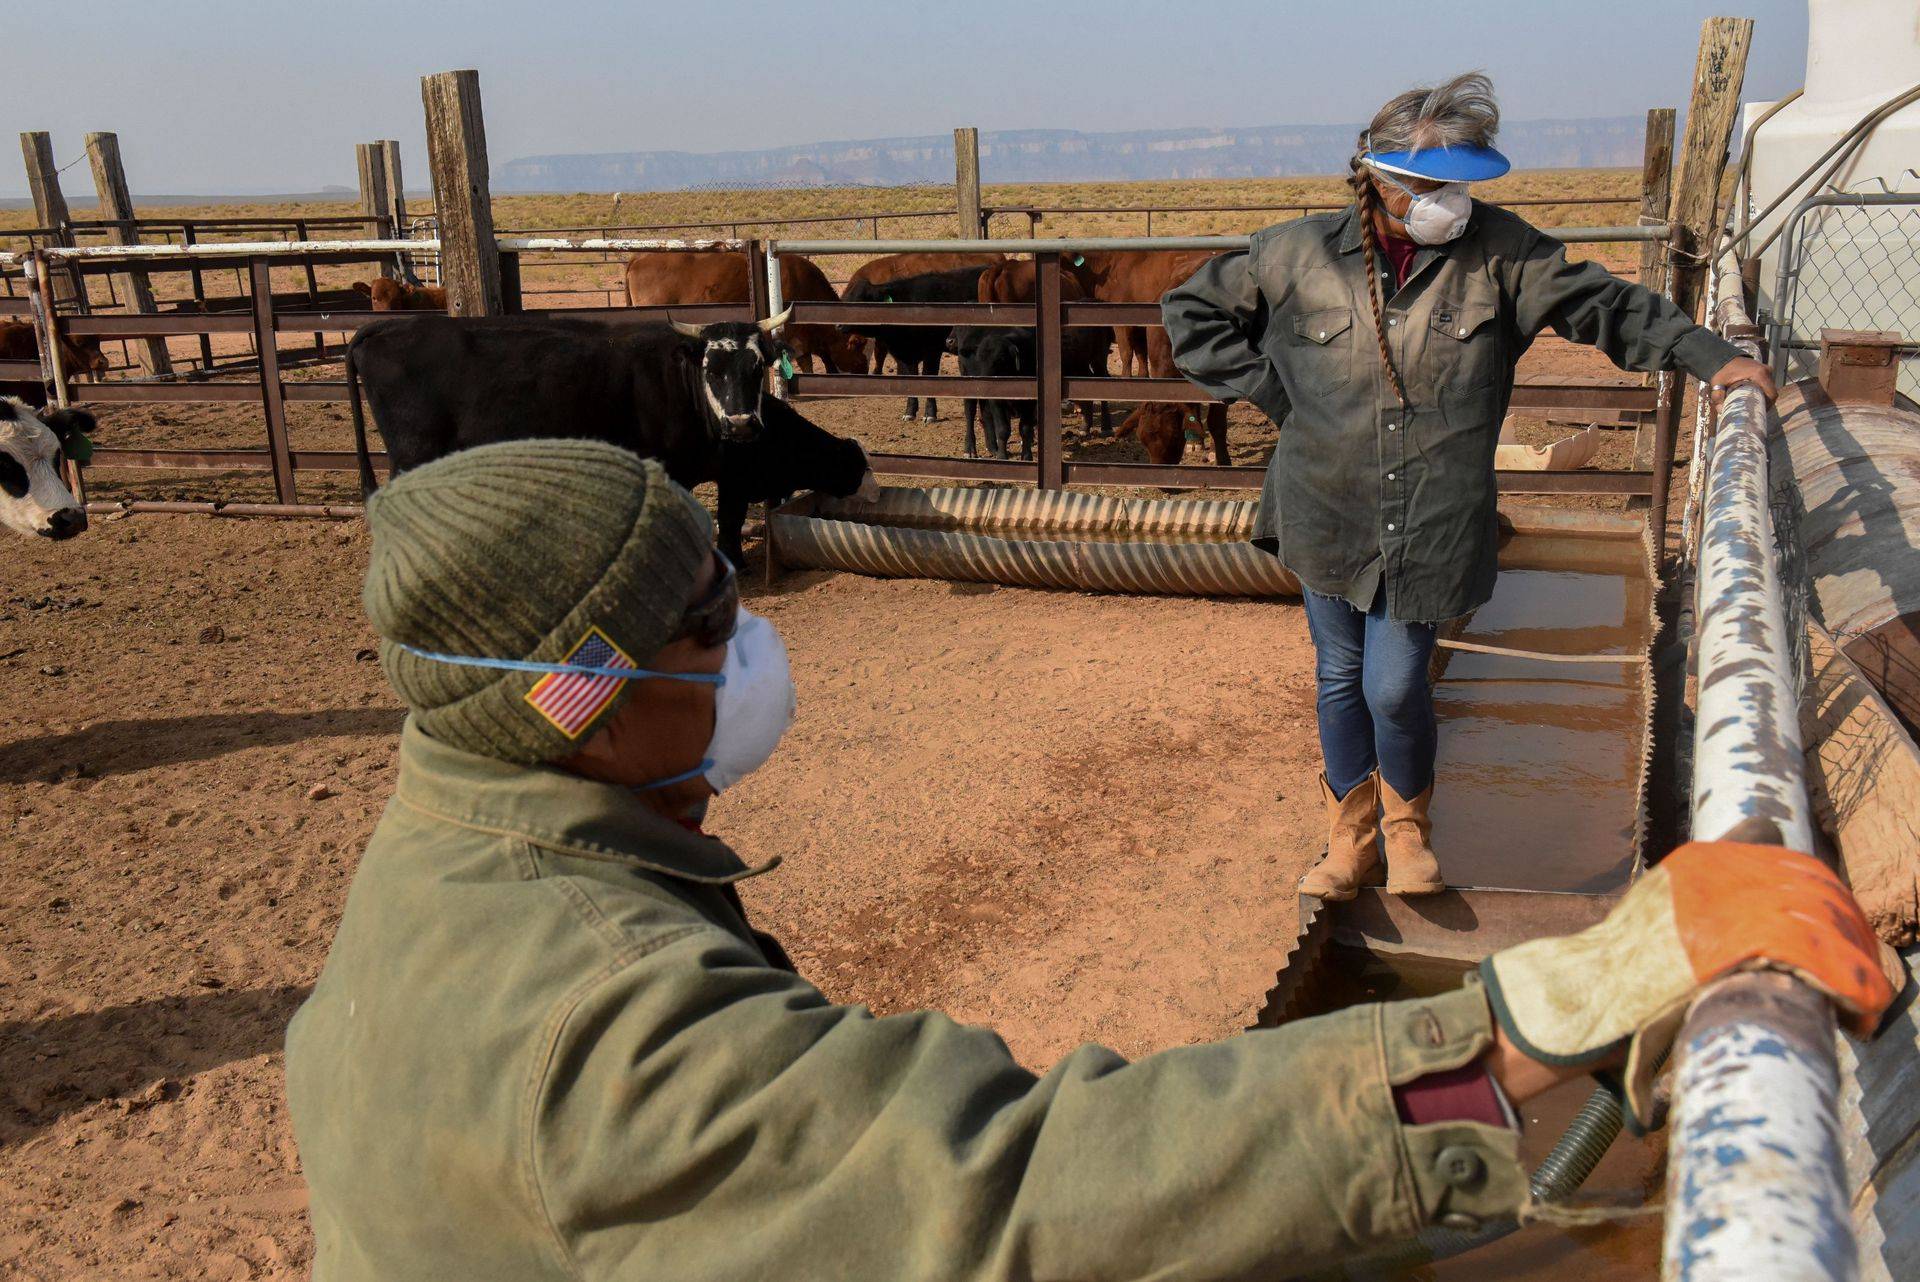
pixel 1463 164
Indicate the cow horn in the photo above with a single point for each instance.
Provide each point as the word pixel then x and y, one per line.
pixel 772 323
pixel 689 331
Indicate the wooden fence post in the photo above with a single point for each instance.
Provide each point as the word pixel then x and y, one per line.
pixel 1656 193
pixel 49 206
pixel 966 180
pixel 1718 73
pixel 457 157
pixel 1717 77
pixel 116 203
pixel 396 189
pixel 371 162
pixel 396 200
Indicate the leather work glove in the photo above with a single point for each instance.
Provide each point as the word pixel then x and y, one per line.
pixel 1706 910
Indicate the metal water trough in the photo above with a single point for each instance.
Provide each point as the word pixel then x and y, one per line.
pixel 1376 944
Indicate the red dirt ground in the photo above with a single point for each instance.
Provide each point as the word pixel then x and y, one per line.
pixel 1070 817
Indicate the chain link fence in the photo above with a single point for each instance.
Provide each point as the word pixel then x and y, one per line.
pixel 1849 261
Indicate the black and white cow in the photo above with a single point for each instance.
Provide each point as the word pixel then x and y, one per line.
pixel 677 392
pixel 33 498
pixel 694 399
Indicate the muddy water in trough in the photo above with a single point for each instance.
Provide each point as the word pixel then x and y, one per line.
pixel 1539 761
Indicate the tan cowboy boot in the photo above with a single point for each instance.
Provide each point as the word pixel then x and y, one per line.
pixel 1353 843
pixel 1412 868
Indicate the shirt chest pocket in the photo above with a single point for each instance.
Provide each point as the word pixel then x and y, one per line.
pixel 1464 346
pixel 1317 355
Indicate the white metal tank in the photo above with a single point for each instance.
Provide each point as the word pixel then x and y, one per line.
pixel 1856 267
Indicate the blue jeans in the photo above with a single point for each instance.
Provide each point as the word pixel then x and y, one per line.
pixel 1375 702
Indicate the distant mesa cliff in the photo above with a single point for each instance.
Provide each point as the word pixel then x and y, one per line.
pixel 1049 155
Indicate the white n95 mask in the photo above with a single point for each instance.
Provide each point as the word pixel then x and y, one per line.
pixel 753 705
pixel 1435 217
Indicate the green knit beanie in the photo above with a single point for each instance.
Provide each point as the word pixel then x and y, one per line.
pixel 548 550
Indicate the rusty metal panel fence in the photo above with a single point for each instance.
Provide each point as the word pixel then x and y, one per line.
pixel 259 315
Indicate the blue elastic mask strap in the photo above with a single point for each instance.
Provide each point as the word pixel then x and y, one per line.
pixel 573 669
pixel 670 780
pixel 1395 180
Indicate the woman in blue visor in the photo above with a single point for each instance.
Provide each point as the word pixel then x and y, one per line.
pixel 1382 339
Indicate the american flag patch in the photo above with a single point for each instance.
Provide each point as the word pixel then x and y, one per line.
pixel 572 700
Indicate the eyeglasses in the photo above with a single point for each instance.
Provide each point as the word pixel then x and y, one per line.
pixel 711 621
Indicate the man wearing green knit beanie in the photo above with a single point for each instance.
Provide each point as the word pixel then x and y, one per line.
pixel 547 1044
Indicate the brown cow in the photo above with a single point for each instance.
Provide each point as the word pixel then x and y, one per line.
pixel 669 277
pixel 1013 281
pixel 1165 428
pixel 888 267
pixel 78 355
pixel 390 295
pixel 1137 276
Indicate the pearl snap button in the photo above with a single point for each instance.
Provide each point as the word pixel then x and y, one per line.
pixel 1463 331
pixel 1459 1165
pixel 1323 333
pixel 1389 527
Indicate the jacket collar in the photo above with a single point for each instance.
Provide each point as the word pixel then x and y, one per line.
pixel 1347 240
pixel 556 810
pixel 1348 227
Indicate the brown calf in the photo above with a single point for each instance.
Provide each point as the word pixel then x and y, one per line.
pixel 81 355
pixel 1165 428
pixel 669 277
pixel 1138 276
pixel 389 295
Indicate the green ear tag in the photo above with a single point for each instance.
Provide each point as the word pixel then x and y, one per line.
pixel 1079 260
pixel 786 366
pixel 79 448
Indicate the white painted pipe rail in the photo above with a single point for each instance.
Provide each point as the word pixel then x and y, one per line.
pixel 1756 1187
pixel 296 248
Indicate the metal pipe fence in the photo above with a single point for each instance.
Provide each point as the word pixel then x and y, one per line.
pixel 1051 470
pixel 261 315
pixel 1756 1184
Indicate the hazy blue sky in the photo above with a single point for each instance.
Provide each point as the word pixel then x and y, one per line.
pixel 268 96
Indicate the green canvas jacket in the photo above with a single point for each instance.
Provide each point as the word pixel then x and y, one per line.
pixel 1358 489
pixel 547 1045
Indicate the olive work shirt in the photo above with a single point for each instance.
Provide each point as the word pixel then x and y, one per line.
pixel 1359 490
pixel 547 1044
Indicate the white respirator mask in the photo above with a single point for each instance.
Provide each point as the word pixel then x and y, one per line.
pixel 753 705
pixel 1435 217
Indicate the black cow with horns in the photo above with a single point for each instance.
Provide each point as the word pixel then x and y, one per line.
pixel 692 397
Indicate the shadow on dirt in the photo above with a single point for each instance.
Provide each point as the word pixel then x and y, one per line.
pixel 140 1054
pixel 114 747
